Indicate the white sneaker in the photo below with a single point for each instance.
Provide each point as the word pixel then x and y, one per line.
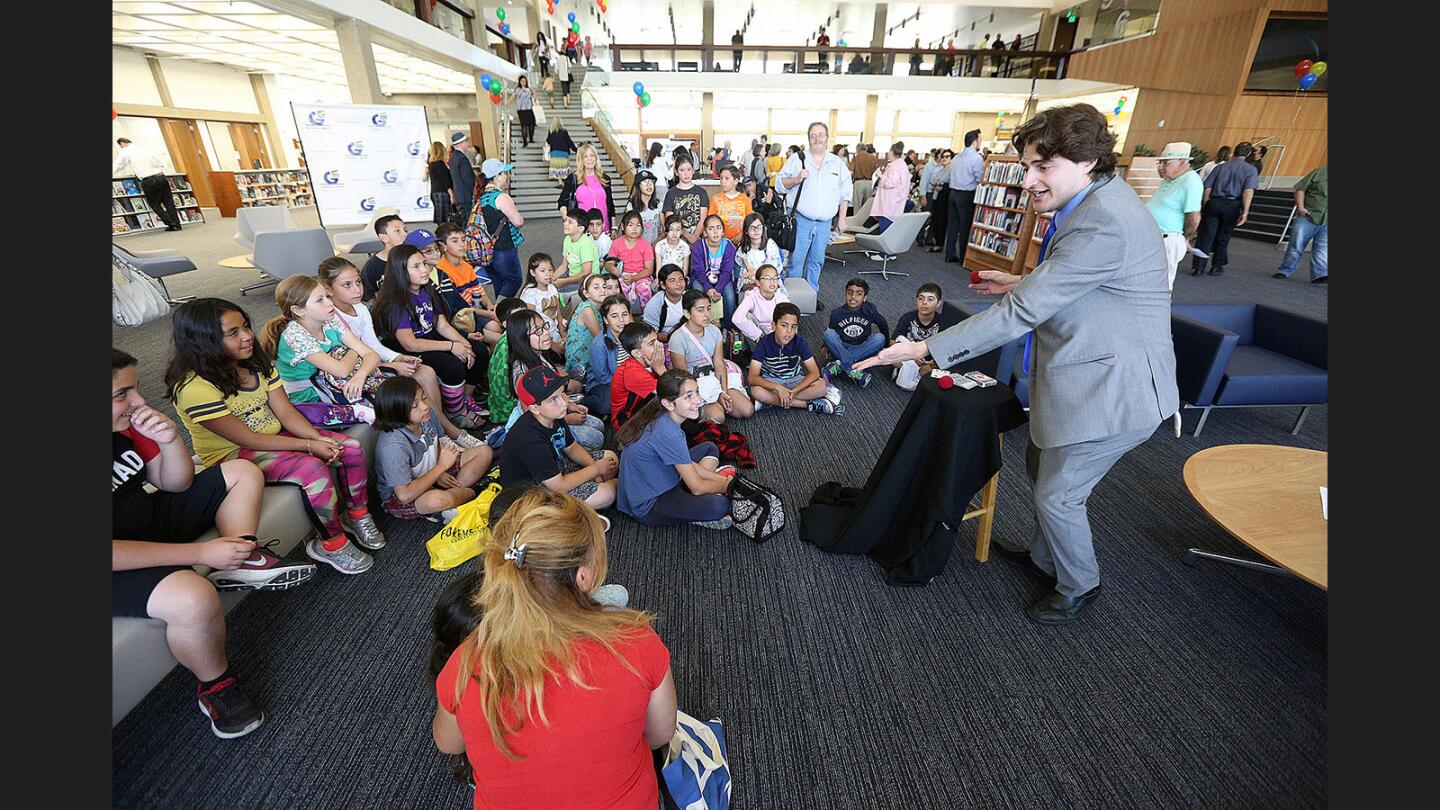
pixel 448 515
pixel 833 394
pixel 467 441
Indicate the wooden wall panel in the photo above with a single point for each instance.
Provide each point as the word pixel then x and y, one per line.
pixel 1199 119
pixel 1309 6
pixel 1210 57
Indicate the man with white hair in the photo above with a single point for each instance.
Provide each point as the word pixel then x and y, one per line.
pixel 1176 203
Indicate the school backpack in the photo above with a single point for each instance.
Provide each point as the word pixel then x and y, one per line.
pixel 479 242
pixel 135 298
pixel 757 511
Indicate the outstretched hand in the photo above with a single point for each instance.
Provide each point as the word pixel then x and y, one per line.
pixel 994 282
pixel 895 355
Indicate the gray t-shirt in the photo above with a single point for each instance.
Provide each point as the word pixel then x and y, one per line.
pixel 693 359
pixel 401 456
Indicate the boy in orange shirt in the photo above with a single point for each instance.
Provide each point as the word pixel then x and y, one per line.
pixel 731 206
pixel 468 285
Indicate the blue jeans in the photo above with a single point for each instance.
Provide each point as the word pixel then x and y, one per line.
pixel 727 294
pixel 505 272
pixel 851 353
pixel 1300 235
pixel 812 236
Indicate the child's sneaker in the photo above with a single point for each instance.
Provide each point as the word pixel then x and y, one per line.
pixel 861 377
pixel 448 515
pixel 821 405
pixel 462 420
pixel 833 369
pixel 231 712
pixel 364 530
pixel 833 394
pixel 723 523
pixel 475 409
pixel 262 571
pixel 348 559
pixel 467 441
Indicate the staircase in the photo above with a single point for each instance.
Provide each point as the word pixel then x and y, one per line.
pixel 1269 211
pixel 531 188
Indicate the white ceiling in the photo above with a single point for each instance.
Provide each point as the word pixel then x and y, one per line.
pixel 256 38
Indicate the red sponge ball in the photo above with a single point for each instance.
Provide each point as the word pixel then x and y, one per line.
pixel 947 381
pixel 975 277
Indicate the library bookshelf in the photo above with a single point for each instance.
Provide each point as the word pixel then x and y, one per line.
pixel 244 189
pixel 130 213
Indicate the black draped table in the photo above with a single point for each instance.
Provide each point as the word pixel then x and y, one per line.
pixel 945 447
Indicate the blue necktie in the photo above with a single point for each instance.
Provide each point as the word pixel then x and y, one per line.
pixel 1044 250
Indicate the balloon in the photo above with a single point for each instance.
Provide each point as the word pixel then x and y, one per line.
pixel 1319 68
pixel 645 98
pixel 639 101
pixel 574 26
pixel 570 16
pixel 1302 67
pixel 638 87
pixel 505 29
pixel 500 14
pixel 486 81
pixel 1308 80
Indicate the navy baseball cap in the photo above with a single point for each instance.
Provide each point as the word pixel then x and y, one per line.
pixel 420 238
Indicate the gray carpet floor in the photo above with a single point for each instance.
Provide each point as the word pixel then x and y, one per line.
pixel 1182 686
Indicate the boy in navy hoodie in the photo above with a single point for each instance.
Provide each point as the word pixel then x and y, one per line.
pixel 857 331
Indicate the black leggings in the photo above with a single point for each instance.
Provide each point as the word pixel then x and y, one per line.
pixel 452 371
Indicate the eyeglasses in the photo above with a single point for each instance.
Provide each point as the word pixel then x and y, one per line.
pixel 431 248
pixel 537 332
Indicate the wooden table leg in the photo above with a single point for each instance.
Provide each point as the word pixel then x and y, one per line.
pixel 987 516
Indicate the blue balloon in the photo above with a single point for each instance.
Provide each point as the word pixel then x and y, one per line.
pixel 505 28
pixel 485 81
pixel 570 16
pixel 638 88
pixel 1307 80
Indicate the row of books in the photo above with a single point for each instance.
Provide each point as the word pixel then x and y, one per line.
pixel 996 218
pixel 129 186
pixel 1004 196
pixel 243 179
pixel 1004 172
pixel 993 242
pixel 1042 224
pixel 128 205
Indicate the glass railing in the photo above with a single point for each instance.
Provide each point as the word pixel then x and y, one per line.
pixel 997 63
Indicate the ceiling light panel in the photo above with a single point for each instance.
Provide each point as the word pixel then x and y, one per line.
pixel 127 23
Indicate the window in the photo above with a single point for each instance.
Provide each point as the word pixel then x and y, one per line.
pixel 1284 43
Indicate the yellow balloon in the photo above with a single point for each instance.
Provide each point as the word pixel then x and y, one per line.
pixel 1319 68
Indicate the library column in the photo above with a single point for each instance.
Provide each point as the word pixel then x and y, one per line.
pixel 485 115
pixel 359 61
pixel 707 127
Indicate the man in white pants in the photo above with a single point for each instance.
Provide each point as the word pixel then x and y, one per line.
pixel 1176 204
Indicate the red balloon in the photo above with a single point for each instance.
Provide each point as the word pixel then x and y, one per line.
pixel 1302 67
pixel 975 277
pixel 639 102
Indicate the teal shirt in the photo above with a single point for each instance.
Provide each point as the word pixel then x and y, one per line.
pixel 577 341
pixel 1174 199
pixel 294 345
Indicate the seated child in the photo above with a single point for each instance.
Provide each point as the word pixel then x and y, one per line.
pixel 635 377
pixel 530 347
pixel 229 398
pixel 502 400
pixel 783 372
pixel 666 310
pixel 540 447
pixel 584 326
pixel 595 227
pixel 420 471
pixel 633 260
pixel 755 314
pixel 663 481
pixel 540 294
pixel 343 281
pixel 390 230
pixel 673 247
pixel 849 339
pixel 929 317
pixel 151 550
pixel 579 256
pixel 606 353
pixel 697 346
pixel 467 287
pixel 730 204
pixel 319 359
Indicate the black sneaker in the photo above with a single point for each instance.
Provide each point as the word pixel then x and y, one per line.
pixel 1280 276
pixel 230 710
pixel 1320 280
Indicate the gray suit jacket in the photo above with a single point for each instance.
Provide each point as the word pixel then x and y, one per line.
pixel 1102 361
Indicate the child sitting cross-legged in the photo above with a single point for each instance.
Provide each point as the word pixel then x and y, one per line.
pixel 849 338
pixel 634 381
pixel 666 310
pixel 584 326
pixel 697 346
pixel 540 294
pixel 929 317
pixel 530 348
pixel 320 360
pixel 420 471
pixel 755 314
pixel 465 289
pixel 633 259
pixel 783 372
pixel 540 447
pixel 663 481
pixel 606 353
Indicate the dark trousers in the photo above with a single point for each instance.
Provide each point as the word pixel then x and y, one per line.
pixel 1217 223
pixel 939 214
pixel 737 55
pixel 962 210
pixel 157 193
pixel 462 212
pixel 440 204
pixel 527 126
pixel 679 506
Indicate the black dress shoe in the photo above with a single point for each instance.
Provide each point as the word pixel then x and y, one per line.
pixel 1197 271
pixel 1057 608
pixel 1021 559
pixel 1279 275
pixel 1215 271
pixel 1321 280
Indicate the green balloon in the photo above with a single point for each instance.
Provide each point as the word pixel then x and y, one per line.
pixel 645 98
pixel 500 13
pixel 575 26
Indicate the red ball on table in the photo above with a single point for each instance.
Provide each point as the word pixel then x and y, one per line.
pixel 947 382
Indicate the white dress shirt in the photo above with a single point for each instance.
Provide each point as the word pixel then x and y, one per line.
pixel 138 161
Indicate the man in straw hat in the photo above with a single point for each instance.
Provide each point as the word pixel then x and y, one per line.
pixel 1176 204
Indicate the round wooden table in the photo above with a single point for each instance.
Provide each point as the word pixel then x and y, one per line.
pixel 1268 497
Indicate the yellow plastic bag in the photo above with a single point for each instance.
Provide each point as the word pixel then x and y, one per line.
pixel 464 537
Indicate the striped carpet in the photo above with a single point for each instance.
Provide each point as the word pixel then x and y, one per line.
pixel 1180 687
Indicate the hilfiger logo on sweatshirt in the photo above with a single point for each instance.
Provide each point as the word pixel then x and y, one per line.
pixel 126 466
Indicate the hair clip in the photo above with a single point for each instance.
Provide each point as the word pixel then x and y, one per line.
pixel 516 554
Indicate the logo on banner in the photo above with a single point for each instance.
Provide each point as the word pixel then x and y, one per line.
pixel 413 148
pixel 317 117
pixel 331 178
pixel 422 202
pixel 356 148
pixel 379 119
pixel 391 176
pixel 368 204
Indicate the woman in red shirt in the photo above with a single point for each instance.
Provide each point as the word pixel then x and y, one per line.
pixel 581 737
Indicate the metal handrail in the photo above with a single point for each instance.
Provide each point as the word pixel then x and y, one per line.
pixel 969 62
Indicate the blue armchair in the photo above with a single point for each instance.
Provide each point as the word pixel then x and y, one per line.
pixel 1004 364
pixel 1249 355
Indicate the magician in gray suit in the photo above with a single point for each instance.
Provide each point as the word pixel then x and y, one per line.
pixel 1102 365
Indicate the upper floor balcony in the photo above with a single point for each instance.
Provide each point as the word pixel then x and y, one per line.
pixel 834 60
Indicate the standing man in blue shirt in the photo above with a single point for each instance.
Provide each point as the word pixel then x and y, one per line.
pixel 965 173
pixel 1226 206
pixel 462 177
pixel 824 193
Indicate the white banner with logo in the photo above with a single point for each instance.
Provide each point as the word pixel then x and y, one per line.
pixel 364 157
